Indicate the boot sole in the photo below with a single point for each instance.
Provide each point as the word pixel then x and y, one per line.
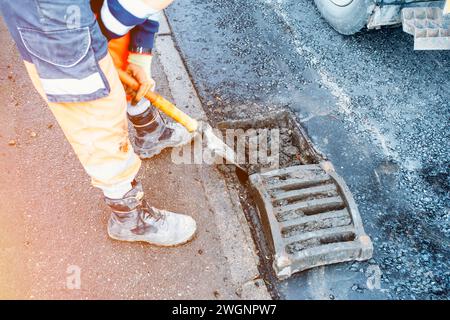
pixel 194 235
pixel 145 156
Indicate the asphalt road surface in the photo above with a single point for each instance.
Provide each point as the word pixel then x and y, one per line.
pixel 376 108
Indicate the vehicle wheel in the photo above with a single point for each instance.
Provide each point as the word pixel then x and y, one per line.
pixel 345 16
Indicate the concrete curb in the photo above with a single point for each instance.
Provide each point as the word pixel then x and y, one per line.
pixel 235 237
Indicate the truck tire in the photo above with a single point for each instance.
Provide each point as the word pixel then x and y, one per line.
pixel 346 16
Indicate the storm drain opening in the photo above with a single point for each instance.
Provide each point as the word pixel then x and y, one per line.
pixel 306 213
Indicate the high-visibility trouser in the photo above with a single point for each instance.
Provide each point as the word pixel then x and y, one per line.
pixel 98 133
pixel 67 58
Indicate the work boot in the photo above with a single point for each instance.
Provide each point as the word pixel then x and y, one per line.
pixel 133 219
pixel 152 133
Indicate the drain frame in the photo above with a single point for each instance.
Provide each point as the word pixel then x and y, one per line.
pixel 285 263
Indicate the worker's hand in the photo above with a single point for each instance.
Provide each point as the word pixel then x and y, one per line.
pixel 145 83
pixel 144 61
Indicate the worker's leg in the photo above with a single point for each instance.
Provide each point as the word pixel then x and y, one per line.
pixel 69 64
pixel 98 133
pixel 153 134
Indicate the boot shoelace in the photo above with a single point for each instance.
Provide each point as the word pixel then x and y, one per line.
pixel 148 212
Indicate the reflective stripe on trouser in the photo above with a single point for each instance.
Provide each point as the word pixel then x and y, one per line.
pixel 98 133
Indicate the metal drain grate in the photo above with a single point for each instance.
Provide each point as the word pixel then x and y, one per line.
pixel 309 217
